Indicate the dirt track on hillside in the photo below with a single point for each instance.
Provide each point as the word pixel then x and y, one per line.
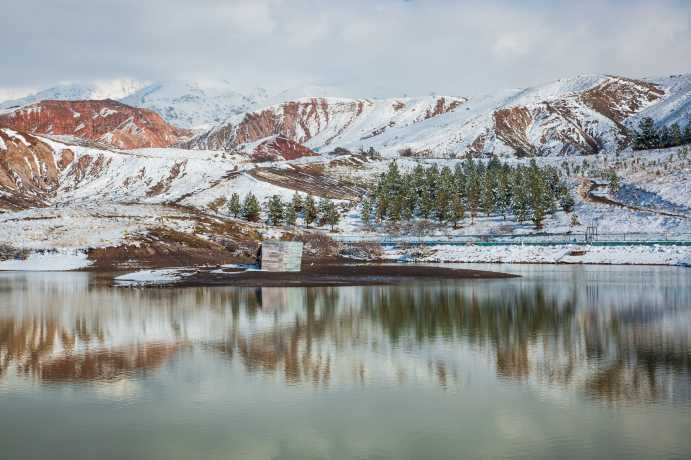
pixel 587 186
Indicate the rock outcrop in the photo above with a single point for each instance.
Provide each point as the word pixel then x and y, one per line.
pixel 278 148
pixel 28 170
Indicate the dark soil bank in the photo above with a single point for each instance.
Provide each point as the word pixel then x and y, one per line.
pixel 335 275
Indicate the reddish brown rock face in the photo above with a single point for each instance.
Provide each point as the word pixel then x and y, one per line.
pixel 511 127
pixel 618 98
pixel 106 121
pixel 441 107
pixel 27 167
pixel 280 148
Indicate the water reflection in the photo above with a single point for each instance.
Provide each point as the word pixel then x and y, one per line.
pixel 605 334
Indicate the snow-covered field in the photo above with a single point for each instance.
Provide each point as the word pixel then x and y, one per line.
pixel 570 254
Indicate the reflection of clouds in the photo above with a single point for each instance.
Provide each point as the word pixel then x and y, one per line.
pixel 555 334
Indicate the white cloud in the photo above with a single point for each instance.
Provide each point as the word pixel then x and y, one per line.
pixel 371 46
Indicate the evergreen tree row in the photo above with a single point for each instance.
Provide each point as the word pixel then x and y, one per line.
pixel 471 188
pixel 278 212
pixel 649 136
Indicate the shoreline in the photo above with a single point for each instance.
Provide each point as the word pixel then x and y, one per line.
pixel 330 275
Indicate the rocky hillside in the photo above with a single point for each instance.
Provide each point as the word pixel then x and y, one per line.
pixel 104 121
pixel 581 115
pixel 29 169
pixel 325 122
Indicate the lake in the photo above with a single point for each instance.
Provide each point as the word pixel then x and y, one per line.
pixel 567 361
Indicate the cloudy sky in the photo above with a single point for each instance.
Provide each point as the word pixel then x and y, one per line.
pixel 367 47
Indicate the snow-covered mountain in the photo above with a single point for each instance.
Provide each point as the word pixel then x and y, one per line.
pixel 195 105
pixel 327 122
pixel 107 89
pixel 581 115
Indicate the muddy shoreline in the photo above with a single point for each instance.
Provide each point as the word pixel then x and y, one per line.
pixel 323 276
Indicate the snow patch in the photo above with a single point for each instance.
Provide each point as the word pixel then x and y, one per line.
pixel 48 261
pixel 147 277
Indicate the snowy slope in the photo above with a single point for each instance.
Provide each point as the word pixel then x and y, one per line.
pixel 581 115
pixel 326 122
pixel 195 105
pixel 675 107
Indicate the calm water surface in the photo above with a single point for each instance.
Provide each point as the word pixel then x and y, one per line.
pixel 566 362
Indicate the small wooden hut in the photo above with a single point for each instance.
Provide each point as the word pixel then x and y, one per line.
pixel 281 256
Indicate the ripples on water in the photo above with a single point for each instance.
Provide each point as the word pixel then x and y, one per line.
pixel 566 361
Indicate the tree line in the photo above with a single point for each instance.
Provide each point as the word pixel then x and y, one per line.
pixel 279 212
pixel 472 187
pixel 648 136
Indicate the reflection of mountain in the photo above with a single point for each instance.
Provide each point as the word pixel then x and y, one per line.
pixel 557 334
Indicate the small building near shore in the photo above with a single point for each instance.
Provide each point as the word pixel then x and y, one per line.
pixel 281 256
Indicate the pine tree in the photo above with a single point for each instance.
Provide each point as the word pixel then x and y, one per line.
pixel 332 216
pixel 366 212
pixel 322 210
pixel 614 183
pixel 504 192
pixel 566 201
pixel 664 136
pixel 408 199
pixel 647 136
pixel 487 197
pixel 382 206
pixel 234 207
pixel 276 210
pixel 687 133
pixel 395 208
pixel 250 208
pixel 538 192
pixel 441 208
pixel 457 209
pixel 291 216
pixel 297 203
pixel 310 211
pixel 675 135
pixel 473 192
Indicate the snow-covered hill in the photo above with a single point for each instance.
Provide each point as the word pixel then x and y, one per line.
pixel 323 123
pixel 581 115
pixel 195 105
pixel 108 122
